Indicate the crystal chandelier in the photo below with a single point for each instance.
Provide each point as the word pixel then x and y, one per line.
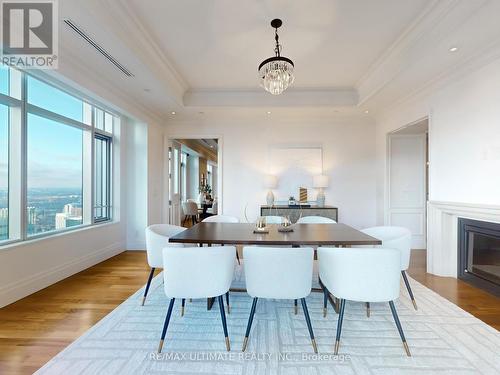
pixel 276 73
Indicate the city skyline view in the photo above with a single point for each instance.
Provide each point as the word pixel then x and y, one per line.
pixel 46 210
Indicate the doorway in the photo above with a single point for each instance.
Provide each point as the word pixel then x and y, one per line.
pixel 407 180
pixel 194 179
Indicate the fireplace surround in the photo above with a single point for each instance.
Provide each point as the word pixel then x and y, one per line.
pixel 479 254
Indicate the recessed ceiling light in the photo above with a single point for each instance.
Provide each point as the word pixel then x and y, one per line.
pixel 147 90
pixel 173 112
pixel 268 112
pixel 453 49
pixel 200 113
pixel 367 111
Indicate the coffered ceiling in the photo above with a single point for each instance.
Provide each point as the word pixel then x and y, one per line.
pixel 194 55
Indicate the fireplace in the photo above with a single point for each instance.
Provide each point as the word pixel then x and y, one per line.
pixel 479 254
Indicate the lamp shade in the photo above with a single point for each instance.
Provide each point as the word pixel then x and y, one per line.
pixel 270 181
pixel 320 181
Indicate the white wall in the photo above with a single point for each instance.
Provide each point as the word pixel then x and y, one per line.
pixel 464 154
pixel 137 187
pixel 464 138
pixel 156 174
pixel 348 153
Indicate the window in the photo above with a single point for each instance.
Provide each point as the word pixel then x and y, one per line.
pixel 102 180
pixel 54 177
pixel 67 159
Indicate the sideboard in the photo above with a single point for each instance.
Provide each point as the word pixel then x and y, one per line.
pixel 295 212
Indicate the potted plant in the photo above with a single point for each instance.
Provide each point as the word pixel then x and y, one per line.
pixel 205 192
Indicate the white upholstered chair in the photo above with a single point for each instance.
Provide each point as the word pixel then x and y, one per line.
pixel 396 238
pixel 223 219
pixel 278 273
pixel 197 274
pixel 360 274
pixel 157 236
pixel 315 220
pixel 190 209
pixel 273 219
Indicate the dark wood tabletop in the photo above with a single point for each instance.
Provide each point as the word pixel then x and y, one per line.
pixel 303 234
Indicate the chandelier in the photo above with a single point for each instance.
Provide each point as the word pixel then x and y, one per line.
pixel 276 73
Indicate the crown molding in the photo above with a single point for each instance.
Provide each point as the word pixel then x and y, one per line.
pixel 295 97
pixel 132 32
pixel 435 24
pixel 461 69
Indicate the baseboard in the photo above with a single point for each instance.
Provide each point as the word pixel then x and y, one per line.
pixel 15 291
pixel 136 245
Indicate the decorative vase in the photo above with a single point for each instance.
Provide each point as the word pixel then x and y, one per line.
pixel 201 197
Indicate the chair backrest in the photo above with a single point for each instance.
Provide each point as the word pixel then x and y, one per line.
pixel 157 236
pixel 190 207
pixel 282 273
pixel 394 238
pixel 273 219
pixel 221 219
pixel 360 274
pixel 315 220
pixel 192 272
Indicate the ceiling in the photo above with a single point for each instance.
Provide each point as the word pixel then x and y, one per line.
pixel 219 44
pixel 200 56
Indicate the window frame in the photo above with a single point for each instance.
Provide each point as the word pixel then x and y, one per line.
pixel 28 108
pixel 102 136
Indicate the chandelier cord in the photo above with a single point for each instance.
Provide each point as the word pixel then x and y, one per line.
pixel 277 49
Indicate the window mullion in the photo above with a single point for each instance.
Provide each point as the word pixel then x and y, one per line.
pixel 24 158
pixel 92 174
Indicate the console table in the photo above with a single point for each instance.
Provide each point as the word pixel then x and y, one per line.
pixel 295 212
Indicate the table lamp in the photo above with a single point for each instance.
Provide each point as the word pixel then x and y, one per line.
pixel 320 182
pixel 270 182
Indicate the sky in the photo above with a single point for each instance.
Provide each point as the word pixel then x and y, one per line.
pixel 54 150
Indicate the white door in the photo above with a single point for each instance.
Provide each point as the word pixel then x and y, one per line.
pixel 174 157
pixel 407 185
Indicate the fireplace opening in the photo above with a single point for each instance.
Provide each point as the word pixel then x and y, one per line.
pixel 479 254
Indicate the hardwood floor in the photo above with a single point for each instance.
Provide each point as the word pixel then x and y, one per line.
pixel 37 327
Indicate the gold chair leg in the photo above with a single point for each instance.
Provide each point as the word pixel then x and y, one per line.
pixel 245 342
pixel 313 342
pixel 407 349
pixel 160 346
pixel 228 346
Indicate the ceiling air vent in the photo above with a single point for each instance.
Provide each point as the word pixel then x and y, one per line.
pixel 94 44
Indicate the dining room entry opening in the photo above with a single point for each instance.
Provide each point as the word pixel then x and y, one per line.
pixel 194 169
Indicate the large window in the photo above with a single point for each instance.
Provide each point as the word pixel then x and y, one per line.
pixel 55 158
pixel 55 175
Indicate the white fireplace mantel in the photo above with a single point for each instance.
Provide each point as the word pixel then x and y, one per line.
pixel 442 232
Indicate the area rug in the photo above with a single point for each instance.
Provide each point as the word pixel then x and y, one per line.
pixel 443 339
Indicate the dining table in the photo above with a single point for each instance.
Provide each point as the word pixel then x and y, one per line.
pixel 335 235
